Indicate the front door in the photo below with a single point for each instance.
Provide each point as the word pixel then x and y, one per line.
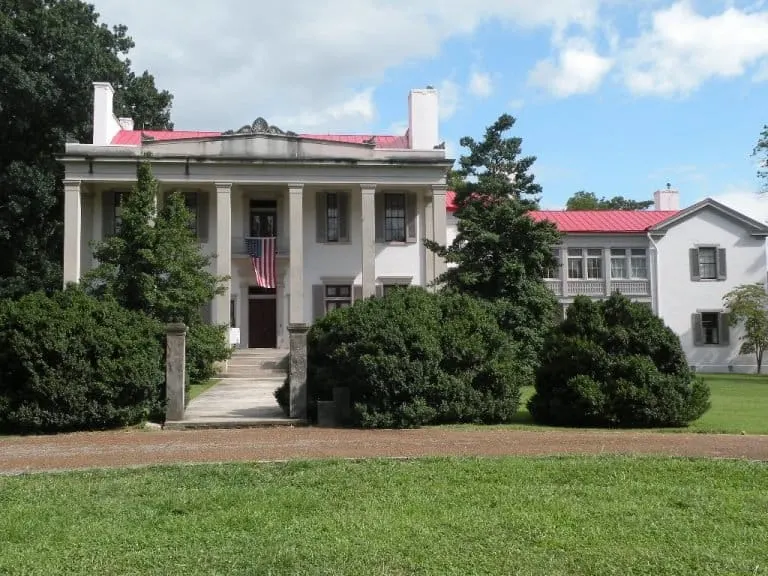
pixel 262 323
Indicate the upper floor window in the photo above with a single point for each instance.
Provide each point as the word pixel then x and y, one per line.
pixel 333 217
pixel 585 263
pixel 394 217
pixel 263 219
pixel 707 263
pixel 192 204
pixel 629 263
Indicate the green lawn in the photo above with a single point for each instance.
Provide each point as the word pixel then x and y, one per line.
pixel 548 516
pixel 196 389
pixel 739 404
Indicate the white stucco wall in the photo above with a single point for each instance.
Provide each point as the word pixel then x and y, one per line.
pixel 680 297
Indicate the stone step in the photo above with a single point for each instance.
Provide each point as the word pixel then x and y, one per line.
pixel 253 372
pixel 260 352
pixel 263 363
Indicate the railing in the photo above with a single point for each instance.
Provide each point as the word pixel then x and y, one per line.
pixel 240 248
pixel 596 288
pixel 586 287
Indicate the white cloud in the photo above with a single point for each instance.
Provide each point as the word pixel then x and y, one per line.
pixel 683 49
pixel 480 84
pixel 748 201
pixel 448 94
pixel 356 111
pixel 239 59
pixel 516 103
pixel 578 69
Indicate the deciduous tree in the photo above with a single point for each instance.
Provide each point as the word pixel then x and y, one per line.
pixel 50 53
pixel 748 305
pixel 583 200
pixel 761 153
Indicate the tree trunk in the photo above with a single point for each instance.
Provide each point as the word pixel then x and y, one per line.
pixel 759 355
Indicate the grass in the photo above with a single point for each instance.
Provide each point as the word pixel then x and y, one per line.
pixel 739 405
pixel 535 516
pixel 196 389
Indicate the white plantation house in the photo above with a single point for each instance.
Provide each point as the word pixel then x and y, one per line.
pixel 347 214
pixel 679 262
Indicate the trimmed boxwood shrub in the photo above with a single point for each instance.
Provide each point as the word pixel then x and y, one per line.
pixel 414 358
pixel 614 363
pixel 72 362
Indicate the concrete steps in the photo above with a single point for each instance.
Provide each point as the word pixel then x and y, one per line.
pixel 244 395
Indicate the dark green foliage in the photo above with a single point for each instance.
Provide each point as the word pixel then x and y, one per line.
pixel 614 363
pixel 72 362
pixel 154 265
pixel 584 200
pixel 761 153
pixel 500 253
pixel 51 51
pixel 415 358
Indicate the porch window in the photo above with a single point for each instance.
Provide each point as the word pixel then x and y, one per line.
pixel 575 264
pixel 337 296
pixel 619 263
pixel 553 272
pixel 638 260
pixel 629 263
pixel 394 217
pixel 594 263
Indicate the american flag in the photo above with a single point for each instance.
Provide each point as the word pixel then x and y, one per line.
pixel 262 253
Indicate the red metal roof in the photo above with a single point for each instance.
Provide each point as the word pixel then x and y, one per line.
pixel 133 137
pixel 594 221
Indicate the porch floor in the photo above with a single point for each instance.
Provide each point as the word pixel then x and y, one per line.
pixel 243 395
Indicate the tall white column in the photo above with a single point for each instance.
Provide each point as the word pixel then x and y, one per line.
pixel 73 229
pixel 296 258
pixel 429 234
pixel 368 250
pixel 440 226
pixel 223 250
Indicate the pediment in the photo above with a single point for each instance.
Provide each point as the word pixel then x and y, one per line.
pixel 753 226
pixel 260 146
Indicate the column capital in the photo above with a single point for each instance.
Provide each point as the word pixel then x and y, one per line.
pixel 223 186
pixel 70 184
pixel 439 188
pixel 296 187
pixel 368 188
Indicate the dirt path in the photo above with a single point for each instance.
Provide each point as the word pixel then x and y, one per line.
pixel 136 448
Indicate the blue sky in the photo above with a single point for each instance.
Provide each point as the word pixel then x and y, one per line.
pixel 617 97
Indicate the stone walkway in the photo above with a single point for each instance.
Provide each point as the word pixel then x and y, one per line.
pixel 139 448
pixel 243 395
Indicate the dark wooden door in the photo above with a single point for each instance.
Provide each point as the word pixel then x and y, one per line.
pixel 262 323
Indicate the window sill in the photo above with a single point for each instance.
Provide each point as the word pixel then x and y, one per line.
pixel 339 243
pixel 394 243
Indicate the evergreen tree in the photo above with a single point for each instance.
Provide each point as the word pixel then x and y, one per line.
pixel 500 253
pixel 154 264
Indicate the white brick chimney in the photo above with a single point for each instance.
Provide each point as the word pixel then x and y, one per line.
pixel 105 124
pixel 667 199
pixel 423 119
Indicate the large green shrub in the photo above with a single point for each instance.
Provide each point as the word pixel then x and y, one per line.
pixel 206 345
pixel 72 362
pixel 614 363
pixel 414 358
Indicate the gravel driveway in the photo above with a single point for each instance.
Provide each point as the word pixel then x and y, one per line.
pixel 139 447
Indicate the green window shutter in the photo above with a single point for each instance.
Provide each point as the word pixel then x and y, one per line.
pixel 321 218
pixel 694 258
pixel 343 216
pixel 108 203
pixel 318 301
pixel 725 329
pixel 721 266
pixel 410 216
pixel 697 329
pixel 357 293
pixel 379 216
pixel 203 210
pixel 379 290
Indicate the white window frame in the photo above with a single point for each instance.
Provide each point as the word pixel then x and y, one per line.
pixel 333 301
pixel 553 273
pixel 576 255
pixel 388 235
pixel 629 256
pixel 588 259
pixel 714 262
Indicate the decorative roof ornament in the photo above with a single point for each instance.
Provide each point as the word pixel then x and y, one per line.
pixel 259 126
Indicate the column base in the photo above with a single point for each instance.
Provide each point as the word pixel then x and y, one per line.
pixel 297 371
